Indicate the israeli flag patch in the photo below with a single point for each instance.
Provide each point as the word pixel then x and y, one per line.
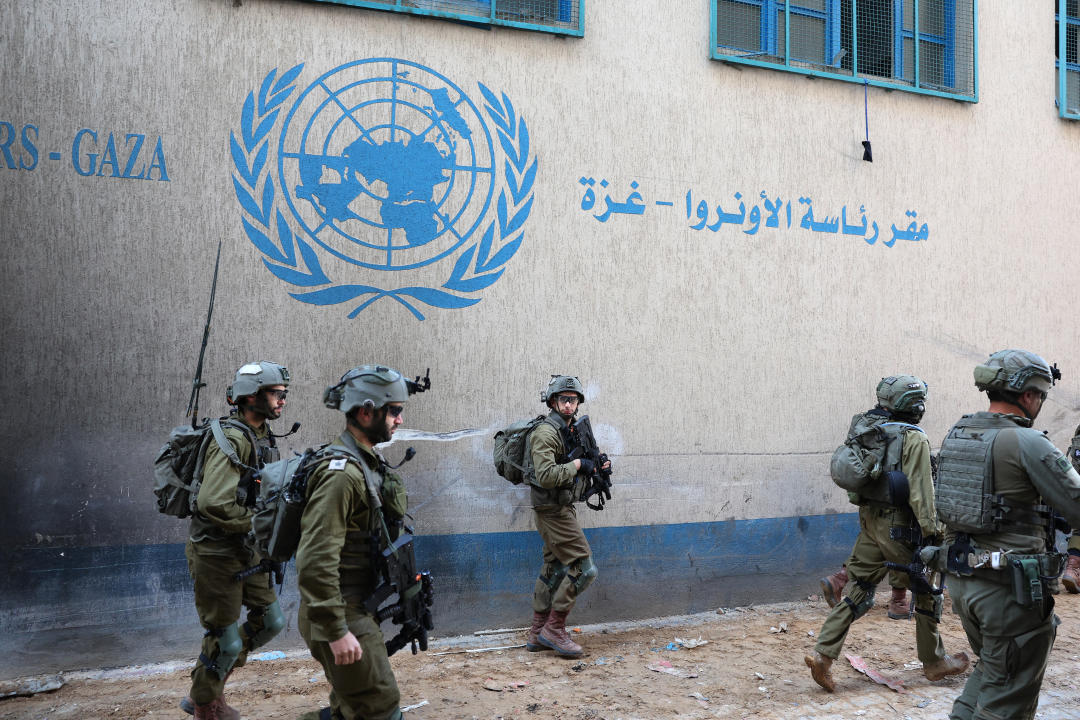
pixel 338 464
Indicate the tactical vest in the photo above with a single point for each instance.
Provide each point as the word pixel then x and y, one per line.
pixel 966 498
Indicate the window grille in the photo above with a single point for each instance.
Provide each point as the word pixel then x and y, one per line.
pixel 564 17
pixel 924 46
pixel 1067 35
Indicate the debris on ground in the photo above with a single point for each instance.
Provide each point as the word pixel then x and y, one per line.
pixel 29 686
pixel 861 665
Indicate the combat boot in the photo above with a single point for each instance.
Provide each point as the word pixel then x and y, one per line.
pixel 899 608
pixel 554 635
pixel 188 705
pixel 948 665
pixel 1071 578
pixel 532 643
pixel 819 669
pixel 216 710
pixel 832 586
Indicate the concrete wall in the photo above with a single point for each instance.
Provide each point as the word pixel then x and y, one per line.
pixel 721 366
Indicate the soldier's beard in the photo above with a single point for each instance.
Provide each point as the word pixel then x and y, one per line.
pixel 261 406
pixel 378 432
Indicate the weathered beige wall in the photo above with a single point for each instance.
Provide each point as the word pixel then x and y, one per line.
pixel 721 368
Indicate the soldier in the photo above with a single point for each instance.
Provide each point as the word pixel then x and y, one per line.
pixel 999 483
pixel 568 565
pixel 218 549
pixel 355 507
pixel 890 527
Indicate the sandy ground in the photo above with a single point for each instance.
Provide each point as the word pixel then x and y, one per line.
pixel 751 666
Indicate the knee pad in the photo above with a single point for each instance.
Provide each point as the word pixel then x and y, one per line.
pixel 863 607
pixel 553 574
pixel 229 648
pixel 588 573
pixel 273 622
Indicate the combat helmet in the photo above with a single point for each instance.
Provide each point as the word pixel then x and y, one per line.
pixel 562 383
pixel 253 377
pixel 367 385
pixel 1014 371
pixel 904 394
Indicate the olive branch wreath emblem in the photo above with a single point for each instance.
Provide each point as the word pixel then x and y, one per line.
pixel 292 259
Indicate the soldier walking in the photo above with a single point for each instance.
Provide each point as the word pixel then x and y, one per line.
pixel 355 509
pixel 895 511
pixel 217 549
pixel 999 484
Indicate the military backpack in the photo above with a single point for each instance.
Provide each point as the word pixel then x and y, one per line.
pixel 179 465
pixel 511 453
pixel 869 461
pixel 283 497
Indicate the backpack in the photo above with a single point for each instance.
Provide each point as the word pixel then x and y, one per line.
pixel 868 453
pixel 179 465
pixel 282 499
pixel 510 454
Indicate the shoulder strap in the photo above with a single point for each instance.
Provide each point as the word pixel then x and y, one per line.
pixel 225 446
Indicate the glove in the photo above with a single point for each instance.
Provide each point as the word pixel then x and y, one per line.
pixel 587 466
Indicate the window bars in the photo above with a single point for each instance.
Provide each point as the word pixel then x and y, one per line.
pixel 563 17
pixel 923 46
pixel 1066 35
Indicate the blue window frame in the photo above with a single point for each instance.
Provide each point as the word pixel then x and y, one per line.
pixel 1068 37
pixel 924 46
pixel 563 17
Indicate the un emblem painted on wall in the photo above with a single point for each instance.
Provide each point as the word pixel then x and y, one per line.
pixel 385 176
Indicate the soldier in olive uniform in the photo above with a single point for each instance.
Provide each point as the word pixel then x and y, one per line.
pixel 555 485
pixel 890 525
pixel 355 507
pixel 999 482
pixel 217 549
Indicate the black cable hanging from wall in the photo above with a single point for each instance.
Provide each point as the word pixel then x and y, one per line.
pixel 867 155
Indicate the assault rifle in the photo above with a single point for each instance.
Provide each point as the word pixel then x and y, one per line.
pixel 923 581
pixel 412 610
pixel 583 443
pixel 274 570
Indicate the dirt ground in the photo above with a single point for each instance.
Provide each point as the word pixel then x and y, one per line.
pixel 751 666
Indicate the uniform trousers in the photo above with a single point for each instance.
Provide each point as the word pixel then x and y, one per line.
pixel 866 568
pixel 1013 644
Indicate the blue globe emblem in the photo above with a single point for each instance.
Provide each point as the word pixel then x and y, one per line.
pixel 386 164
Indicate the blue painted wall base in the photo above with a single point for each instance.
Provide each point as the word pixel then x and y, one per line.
pixel 71 608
